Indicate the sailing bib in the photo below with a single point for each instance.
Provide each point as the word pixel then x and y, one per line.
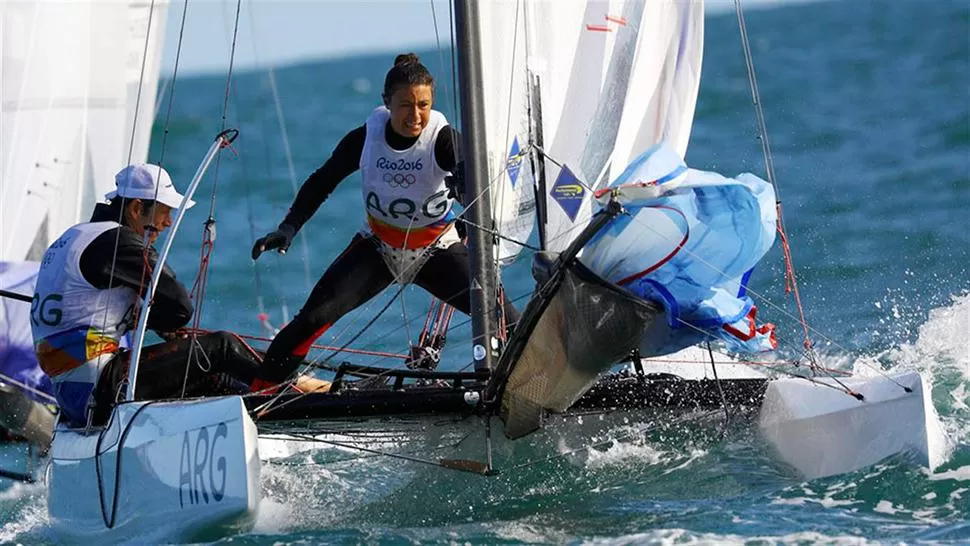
pixel 404 191
pixel 76 327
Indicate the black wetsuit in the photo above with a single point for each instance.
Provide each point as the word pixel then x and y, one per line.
pixel 359 273
pixel 117 258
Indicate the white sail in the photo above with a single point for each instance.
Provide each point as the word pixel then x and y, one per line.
pixel 627 76
pixel 77 100
pixel 507 123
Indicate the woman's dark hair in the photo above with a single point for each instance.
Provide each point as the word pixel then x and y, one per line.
pixel 407 71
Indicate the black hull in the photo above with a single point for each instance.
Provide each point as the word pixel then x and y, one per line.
pixel 613 392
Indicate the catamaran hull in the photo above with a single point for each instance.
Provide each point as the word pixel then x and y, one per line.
pixel 158 471
pixel 822 431
pixel 815 428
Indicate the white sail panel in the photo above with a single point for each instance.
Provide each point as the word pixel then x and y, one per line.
pixel 662 95
pixel 66 127
pixel 507 123
pixel 616 77
pixel 568 45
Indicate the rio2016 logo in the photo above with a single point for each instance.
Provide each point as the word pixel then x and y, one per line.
pixel 399 165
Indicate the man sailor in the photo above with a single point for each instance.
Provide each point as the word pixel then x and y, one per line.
pixel 89 288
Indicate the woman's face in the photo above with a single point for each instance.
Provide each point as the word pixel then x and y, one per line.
pixel 410 109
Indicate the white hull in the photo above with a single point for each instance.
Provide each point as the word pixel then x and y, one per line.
pixel 822 431
pixel 188 470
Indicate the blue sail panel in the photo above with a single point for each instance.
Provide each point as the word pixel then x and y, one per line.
pixel 689 241
pixel 17 359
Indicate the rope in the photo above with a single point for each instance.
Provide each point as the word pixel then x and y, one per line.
pixel 4 378
pixel 197 293
pixel 790 281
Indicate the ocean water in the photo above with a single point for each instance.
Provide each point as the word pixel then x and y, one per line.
pixel 868 109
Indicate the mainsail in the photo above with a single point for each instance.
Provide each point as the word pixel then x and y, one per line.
pixel 77 97
pixel 590 85
pixel 619 78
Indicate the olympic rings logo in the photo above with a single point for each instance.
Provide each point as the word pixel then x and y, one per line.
pixel 399 180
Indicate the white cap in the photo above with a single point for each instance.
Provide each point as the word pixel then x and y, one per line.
pixel 147 181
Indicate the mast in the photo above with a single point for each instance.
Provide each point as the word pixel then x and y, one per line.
pixel 484 311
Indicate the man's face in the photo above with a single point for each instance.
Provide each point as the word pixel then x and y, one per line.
pixel 153 218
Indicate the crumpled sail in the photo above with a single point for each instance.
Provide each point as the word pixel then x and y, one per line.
pixel 690 240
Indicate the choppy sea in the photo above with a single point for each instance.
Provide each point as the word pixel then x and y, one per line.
pixel 867 104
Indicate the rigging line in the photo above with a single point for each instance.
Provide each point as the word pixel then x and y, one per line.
pixel 829 372
pixel 4 378
pixel 225 103
pixel 141 82
pixel 497 234
pixel 400 456
pixel 262 315
pixel 454 59
pixel 208 231
pixel 839 385
pixel 562 166
pixel 720 390
pixel 287 151
pixel 291 170
pixel 449 107
pixel 770 167
pixel 165 132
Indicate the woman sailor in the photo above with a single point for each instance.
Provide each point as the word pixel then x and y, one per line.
pixel 406 153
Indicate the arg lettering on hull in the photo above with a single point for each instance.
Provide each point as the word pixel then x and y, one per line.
pixel 202 466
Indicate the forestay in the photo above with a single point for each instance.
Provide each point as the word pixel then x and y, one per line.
pixel 77 104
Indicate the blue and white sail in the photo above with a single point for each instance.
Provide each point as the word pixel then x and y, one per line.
pixel 689 240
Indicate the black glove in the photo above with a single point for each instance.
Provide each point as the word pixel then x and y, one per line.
pixel 456 185
pixel 280 239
